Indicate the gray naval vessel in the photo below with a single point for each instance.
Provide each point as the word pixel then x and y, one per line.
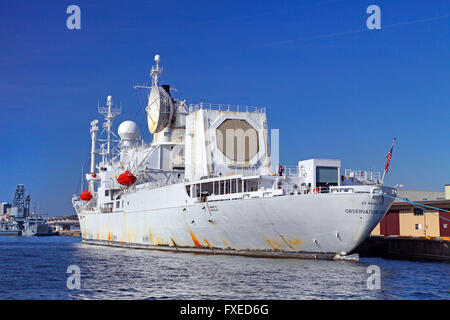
pixel 8 228
pixel 210 182
pixel 17 220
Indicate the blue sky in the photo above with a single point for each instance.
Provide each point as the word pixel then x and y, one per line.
pixel 334 88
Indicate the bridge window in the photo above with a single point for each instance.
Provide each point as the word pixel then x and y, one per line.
pixel 220 187
pixel 326 176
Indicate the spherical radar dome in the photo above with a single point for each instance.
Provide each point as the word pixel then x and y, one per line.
pixel 128 130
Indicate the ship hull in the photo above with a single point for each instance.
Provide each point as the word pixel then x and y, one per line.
pixel 10 233
pixel 41 230
pixel 306 225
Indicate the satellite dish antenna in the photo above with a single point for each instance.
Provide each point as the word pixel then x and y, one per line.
pixel 159 109
pixel 160 106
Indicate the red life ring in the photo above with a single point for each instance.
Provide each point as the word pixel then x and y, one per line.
pixel 316 190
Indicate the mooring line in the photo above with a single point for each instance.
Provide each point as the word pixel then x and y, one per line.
pixel 418 205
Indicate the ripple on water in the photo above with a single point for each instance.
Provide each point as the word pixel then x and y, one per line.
pixel 37 270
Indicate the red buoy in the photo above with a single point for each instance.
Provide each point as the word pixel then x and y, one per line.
pixel 85 195
pixel 126 179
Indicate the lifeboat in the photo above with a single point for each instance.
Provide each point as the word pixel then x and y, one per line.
pixel 126 179
pixel 85 195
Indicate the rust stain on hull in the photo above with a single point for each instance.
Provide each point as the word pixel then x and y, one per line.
pixel 293 244
pixel 226 244
pixel 160 241
pixel 194 238
pixel 274 244
pixel 207 243
pixel 150 236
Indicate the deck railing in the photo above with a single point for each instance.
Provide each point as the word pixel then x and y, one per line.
pixel 225 107
pixel 363 175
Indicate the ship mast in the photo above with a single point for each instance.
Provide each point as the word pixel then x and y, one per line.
pixel 156 71
pixel 109 118
pixel 94 130
pixel 110 114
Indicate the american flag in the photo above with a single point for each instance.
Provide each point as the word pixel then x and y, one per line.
pixel 389 156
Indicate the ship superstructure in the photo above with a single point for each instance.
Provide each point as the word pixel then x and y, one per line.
pixel 208 183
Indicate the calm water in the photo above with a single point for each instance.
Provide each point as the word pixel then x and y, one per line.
pixel 35 268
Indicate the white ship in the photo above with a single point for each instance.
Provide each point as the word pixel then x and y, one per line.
pixel 208 183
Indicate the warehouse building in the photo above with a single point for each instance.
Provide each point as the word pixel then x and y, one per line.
pixel 406 220
pixel 65 226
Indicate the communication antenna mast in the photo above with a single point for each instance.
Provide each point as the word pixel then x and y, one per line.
pixel 156 71
pixel 110 114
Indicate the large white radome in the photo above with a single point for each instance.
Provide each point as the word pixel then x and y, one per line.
pixel 128 130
